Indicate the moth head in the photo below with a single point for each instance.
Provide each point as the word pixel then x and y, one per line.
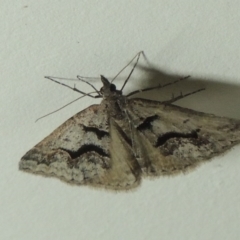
pixel 109 89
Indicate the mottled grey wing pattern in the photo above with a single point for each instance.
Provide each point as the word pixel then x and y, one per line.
pixel 169 139
pixel 79 152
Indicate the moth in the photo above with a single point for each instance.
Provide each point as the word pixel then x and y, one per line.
pixel 115 144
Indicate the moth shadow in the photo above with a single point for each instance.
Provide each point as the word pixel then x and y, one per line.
pixel 219 98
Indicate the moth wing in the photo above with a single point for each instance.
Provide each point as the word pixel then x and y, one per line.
pixel 169 139
pixel 84 150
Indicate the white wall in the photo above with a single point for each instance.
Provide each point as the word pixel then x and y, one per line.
pixel 66 38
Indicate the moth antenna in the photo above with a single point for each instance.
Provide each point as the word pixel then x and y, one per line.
pixel 136 56
pixel 61 78
pixel 181 96
pixel 74 88
pixel 91 78
pixel 81 79
pixel 62 107
pixel 156 87
pixel 134 66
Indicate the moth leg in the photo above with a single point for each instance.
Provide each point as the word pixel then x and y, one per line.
pixel 156 87
pixel 130 125
pixel 181 96
pixel 81 79
pixel 137 152
pixel 74 88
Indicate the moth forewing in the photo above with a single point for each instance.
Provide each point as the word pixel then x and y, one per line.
pixel 175 139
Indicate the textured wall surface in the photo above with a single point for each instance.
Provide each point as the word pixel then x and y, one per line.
pixel 89 38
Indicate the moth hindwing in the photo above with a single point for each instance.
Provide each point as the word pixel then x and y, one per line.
pixel 116 143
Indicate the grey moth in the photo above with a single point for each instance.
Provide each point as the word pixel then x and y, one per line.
pixel 118 142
